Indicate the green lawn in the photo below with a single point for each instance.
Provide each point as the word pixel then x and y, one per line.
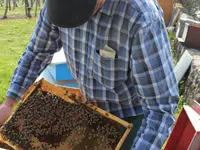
pixel 14 37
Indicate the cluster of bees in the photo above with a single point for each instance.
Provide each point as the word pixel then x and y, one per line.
pixel 46 122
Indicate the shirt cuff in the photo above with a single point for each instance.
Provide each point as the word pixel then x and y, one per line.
pixel 13 96
pixel 15 92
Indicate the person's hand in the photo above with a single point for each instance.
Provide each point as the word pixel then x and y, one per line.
pixel 6 110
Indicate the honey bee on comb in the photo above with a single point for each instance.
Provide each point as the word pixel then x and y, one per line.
pixel 44 121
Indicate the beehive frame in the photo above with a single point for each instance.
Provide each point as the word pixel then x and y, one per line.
pixel 2 142
pixel 61 92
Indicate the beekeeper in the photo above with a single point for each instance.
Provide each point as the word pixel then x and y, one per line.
pixel 118 52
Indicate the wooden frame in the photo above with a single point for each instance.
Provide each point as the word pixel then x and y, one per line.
pixel 186 132
pixel 3 143
pixel 61 92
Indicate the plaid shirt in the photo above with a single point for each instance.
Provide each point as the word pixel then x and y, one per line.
pixel 139 80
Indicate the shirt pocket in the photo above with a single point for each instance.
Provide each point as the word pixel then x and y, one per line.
pixel 109 72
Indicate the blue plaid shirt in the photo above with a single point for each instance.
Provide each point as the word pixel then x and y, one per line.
pixel 139 80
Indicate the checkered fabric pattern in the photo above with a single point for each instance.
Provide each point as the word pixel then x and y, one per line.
pixel 139 80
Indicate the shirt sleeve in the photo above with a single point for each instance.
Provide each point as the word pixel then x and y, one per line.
pixel 154 78
pixel 44 42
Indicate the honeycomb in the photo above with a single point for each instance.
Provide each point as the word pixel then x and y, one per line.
pixel 45 121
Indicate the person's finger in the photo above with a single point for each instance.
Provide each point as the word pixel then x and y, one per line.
pixel 5 113
pixel 1 124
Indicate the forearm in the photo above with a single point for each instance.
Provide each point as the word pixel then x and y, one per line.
pixel 10 102
pixel 155 81
pixel 28 69
pixel 45 41
pixel 157 124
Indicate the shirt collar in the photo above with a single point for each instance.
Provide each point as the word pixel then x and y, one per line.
pixel 107 7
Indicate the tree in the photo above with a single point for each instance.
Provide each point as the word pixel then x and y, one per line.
pixel 1 3
pixel 14 4
pixel 27 9
pixel 29 5
pixel 6 9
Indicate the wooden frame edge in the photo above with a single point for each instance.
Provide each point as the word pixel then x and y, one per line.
pixel 31 89
pixel 60 91
pixel 110 116
pixel 119 145
pixel 3 140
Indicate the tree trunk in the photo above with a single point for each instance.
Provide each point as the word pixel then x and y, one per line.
pixel 1 3
pixel 32 3
pixel 38 3
pixel 14 4
pixel 6 9
pixel 27 9
pixel 36 8
pixel 9 4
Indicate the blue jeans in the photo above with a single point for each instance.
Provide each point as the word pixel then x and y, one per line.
pixel 136 121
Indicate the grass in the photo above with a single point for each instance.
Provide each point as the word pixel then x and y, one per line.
pixel 18 11
pixel 14 37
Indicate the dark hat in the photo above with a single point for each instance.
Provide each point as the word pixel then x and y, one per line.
pixel 70 13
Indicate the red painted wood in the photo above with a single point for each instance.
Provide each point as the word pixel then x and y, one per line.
pixel 186 137
pixel 186 132
pixel 177 131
